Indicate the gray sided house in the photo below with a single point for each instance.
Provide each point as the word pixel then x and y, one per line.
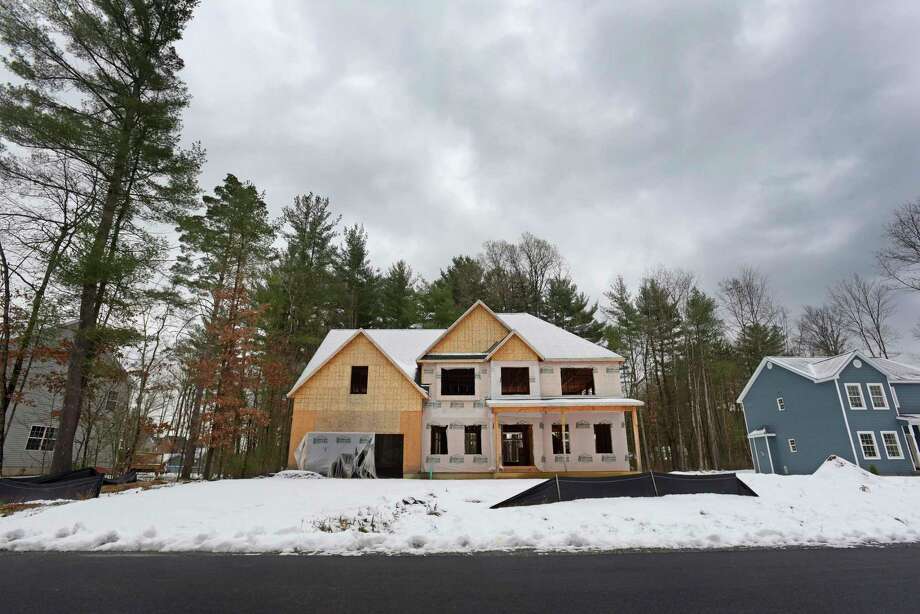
pixel 31 426
pixel 798 411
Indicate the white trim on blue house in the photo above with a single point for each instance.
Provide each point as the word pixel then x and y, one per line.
pixel 878 453
pixel 897 442
pixel 881 389
pixel 862 399
pixel 846 422
pixel 777 361
pixel 763 433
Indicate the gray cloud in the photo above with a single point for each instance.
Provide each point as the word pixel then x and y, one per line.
pixel 702 135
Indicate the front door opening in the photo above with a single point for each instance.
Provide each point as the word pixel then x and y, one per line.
pixel 517 448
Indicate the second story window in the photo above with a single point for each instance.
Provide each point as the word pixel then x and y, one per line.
pixel 438 439
pixel 877 396
pixel 515 380
pixel 577 381
pixel 359 380
pixel 855 396
pixel 458 382
pixel 780 404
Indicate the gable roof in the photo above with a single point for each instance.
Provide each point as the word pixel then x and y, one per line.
pixel 513 334
pixel 405 346
pixel 552 342
pixel 824 368
pixel 546 340
pixel 399 346
pixel 444 332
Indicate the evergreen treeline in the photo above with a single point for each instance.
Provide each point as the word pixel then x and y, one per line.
pixel 215 307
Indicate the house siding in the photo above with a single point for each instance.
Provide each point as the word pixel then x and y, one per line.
pixel 812 417
pixel 908 397
pixel 874 420
pixel 37 407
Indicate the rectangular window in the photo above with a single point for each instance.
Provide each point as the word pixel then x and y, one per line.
pixel 892 445
pixel 111 401
pixel 458 382
pixel 359 380
pixel 868 445
pixel 560 440
pixel 603 441
pixel 41 438
pixel 780 404
pixel 426 388
pixel 577 381
pixel 792 446
pixel 472 439
pixel 515 380
pixel 855 396
pixel 438 439
pixel 877 396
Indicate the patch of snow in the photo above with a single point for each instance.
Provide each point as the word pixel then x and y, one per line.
pixel 840 505
pixel 297 474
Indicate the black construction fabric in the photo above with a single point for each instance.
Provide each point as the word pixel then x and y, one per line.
pixel 64 476
pixel 20 491
pixel 652 484
pixel 717 483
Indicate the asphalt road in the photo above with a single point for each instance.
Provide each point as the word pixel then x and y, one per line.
pixel 855 580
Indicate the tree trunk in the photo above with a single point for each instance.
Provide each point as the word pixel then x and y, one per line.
pixel 84 344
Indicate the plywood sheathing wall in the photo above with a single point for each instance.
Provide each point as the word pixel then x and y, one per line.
pixel 515 349
pixel 476 333
pixel 392 404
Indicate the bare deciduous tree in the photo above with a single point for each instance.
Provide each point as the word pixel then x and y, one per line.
pixel 900 260
pixel 866 306
pixel 823 330
pixel 748 300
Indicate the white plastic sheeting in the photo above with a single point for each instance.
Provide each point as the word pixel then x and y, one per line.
pixel 337 455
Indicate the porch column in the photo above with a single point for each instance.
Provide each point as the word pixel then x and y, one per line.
pixel 496 441
pixel 566 449
pixel 635 428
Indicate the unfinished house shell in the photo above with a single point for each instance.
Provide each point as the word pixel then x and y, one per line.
pixel 504 394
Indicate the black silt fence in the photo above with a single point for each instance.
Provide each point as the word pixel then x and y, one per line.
pixel 652 484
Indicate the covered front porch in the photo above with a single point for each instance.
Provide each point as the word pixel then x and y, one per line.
pixel 590 436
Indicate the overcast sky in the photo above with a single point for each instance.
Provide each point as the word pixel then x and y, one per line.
pixel 701 135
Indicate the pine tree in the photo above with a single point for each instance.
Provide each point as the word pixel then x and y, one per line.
pixel 399 300
pixel 357 280
pixel 568 309
pixel 223 251
pixel 100 87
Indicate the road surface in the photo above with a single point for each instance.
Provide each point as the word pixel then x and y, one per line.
pixel 825 580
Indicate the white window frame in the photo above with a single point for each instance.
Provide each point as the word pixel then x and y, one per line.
pixel 862 399
pixel 897 442
pixel 878 453
pixel 780 404
pixel 793 447
pixel 881 389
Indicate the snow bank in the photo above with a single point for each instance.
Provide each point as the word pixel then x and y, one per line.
pixel 297 474
pixel 840 505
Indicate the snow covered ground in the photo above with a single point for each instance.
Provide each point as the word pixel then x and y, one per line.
pixel 840 505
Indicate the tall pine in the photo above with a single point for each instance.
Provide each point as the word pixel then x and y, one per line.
pixel 99 86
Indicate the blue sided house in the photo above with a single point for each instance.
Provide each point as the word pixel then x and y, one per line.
pixel 798 411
